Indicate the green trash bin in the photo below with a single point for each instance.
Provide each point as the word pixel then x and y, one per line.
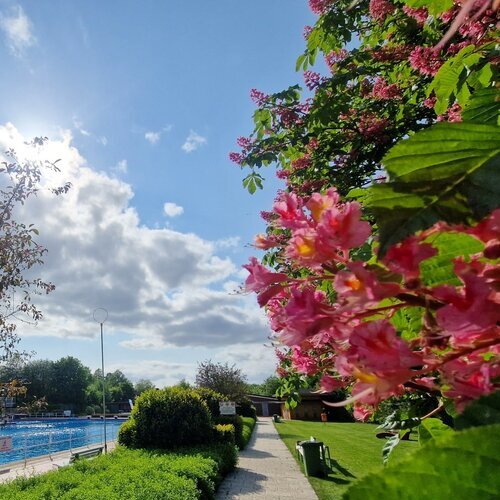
pixel 311 452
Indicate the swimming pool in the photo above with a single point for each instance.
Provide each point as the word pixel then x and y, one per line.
pixel 32 438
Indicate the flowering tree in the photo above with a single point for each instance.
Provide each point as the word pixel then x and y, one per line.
pixel 19 252
pixel 381 271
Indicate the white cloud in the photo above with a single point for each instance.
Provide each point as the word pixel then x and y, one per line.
pixel 17 29
pixel 161 287
pixel 78 125
pixel 230 242
pixel 193 142
pixel 103 140
pixel 152 137
pixel 121 167
pixel 172 210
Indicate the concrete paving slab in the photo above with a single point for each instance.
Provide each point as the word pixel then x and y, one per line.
pixel 266 470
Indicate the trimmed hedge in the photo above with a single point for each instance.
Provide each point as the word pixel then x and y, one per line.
pixel 212 399
pixel 224 433
pixel 246 434
pixel 167 419
pixel 190 473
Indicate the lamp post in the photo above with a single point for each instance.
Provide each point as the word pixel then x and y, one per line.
pixel 100 316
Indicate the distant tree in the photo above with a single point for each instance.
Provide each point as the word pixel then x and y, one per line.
pixel 183 384
pixel 70 381
pixel 267 388
pixel 19 251
pixel 142 385
pixel 228 380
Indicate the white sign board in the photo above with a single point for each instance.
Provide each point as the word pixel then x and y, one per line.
pixel 227 408
pixel 5 443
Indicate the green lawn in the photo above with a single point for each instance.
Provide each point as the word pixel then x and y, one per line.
pixel 353 447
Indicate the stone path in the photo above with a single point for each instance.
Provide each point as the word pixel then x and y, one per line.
pixel 266 469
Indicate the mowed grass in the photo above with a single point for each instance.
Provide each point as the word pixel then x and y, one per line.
pixel 354 449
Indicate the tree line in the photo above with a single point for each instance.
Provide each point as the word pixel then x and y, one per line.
pixel 67 384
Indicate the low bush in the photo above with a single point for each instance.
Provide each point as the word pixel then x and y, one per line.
pixel 212 399
pixel 167 419
pixel 188 474
pixel 224 433
pixel 246 434
pixel 237 422
pixel 245 408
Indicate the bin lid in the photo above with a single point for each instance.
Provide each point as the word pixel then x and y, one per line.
pixel 310 443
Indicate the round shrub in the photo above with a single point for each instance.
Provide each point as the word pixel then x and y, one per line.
pixel 167 418
pixel 245 408
pixel 212 399
pixel 127 434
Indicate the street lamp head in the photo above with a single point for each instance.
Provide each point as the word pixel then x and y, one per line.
pixel 100 315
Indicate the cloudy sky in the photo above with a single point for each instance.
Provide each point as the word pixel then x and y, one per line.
pixel 142 101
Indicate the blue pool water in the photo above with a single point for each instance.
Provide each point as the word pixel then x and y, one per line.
pixel 32 438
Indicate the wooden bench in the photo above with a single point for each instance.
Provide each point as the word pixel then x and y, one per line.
pixel 90 453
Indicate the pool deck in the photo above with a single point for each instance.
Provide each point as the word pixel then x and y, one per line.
pixel 42 464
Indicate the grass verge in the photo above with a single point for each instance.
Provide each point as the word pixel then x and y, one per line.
pixel 354 449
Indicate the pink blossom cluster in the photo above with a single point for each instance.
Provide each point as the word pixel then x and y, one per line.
pixel 237 158
pixel 258 97
pixel 380 9
pixel 453 114
pixel 371 126
pixel 307 32
pixel 426 60
pixel 420 15
pixel 350 341
pixel 320 7
pixel 312 79
pixel 384 91
pixel 336 56
pixel 392 53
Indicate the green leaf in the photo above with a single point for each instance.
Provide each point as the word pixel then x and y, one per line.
pixel 389 446
pixel 483 107
pixel 432 428
pixel 408 322
pixel 449 172
pixel 434 7
pixel 450 79
pixel 462 466
pixel 439 269
pixel 483 411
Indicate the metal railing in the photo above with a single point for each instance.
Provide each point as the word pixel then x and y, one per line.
pixel 55 444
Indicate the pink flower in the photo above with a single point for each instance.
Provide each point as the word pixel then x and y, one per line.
pixel 318 203
pixel 303 250
pixel 420 15
pixel 380 9
pixel 382 90
pixel 328 383
pixel 261 279
pixel 426 60
pixel 302 162
pixel 379 360
pixel 307 32
pixel 312 79
pixel 336 56
pixel 471 377
pixel 488 231
pixel 264 242
pixel 362 413
pixel 361 288
pixel 236 158
pixel 304 316
pixel 405 257
pixel 258 97
pixel 472 312
pixel 289 209
pixel 453 114
pixel 430 102
pixel 303 363
pixel 373 127
pixel 341 228
pixel 319 7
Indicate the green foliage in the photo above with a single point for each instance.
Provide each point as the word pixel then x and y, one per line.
pixel 448 172
pixel 237 422
pixel 432 428
pixel 454 78
pixel 212 400
pixel 245 408
pixel 224 433
pixel 483 411
pixel 462 465
pixel 223 378
pixel 168 418
pixel 246 434
pixel 434 7
pixel 127 435
pixel 483 107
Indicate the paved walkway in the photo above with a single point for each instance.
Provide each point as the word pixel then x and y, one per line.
pixel 40 465
pixel 266 469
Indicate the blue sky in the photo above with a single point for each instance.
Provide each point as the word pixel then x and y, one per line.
pixel 142 101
